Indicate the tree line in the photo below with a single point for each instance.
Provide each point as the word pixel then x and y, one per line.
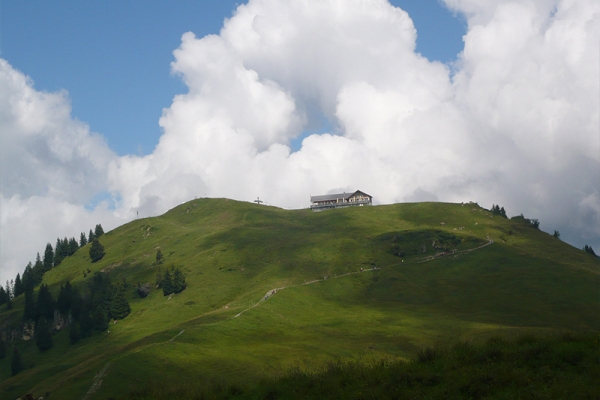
pixel 53 257
pixel 85 311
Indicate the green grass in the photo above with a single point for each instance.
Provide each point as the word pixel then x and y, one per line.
pixel 233 253
pixel 524 367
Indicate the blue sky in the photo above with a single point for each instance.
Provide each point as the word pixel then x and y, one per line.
pixel 113 57
pixel 511 120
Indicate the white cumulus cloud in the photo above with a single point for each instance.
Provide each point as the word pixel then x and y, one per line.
pixel 515 121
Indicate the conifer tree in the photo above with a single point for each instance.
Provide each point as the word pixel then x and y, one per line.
pixel 98 231
pixel 73 246
pixel 2 348
pixel 16 363
pixel 60 251
pixel 99 319
pixel 38 270
pixel 29 311
pixel 74 332
pixel 28 278
pixel 82 239
pixel 2 296
pixel 159 257
pixel 45 303
pixel 167 283
pixel 91 236
pixel 76 303
pixel 18 285
pixel 85 322
pixel 43 334
pixel 48 257
pixel 96 251
pixel 178 281
pixel 8 295
pixel 119 307
pixel 63 302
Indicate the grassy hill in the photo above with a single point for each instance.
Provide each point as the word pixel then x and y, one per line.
pixel 361 283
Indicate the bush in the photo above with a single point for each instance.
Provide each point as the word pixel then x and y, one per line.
pixel 143 290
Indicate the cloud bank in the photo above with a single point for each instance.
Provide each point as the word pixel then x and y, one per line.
pixel 514 122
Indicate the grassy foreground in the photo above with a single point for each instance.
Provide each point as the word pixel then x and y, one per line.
pixel 355 285
pixel 528 367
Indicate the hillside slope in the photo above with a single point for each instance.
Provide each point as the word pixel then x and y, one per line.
pixel 355 283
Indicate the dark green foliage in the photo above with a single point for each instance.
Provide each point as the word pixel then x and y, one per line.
pixel 74 333
pixel 43 334
pixel 29 311
pixel 96 251
pixel 556 234
pixel 529 222
pixel 3 296
pixel 63 302
pixel 167 283
pixel 143 290
pixel 45 303
pixel 73 246
pixel 91 236
pixel 86 324
pixel 8 295
pixel 16 363
pixel 61 250
pixel 98 231
pixel 38 270
pixel 28 278
pixel 178 281
pixel 76 303
pixel 497 210
pixel 2 348
pixel 99 319
pixel 19 289
pixel 119 307
pixel 82 239
pixel 159 257
pixel 48 257
pixel 589 250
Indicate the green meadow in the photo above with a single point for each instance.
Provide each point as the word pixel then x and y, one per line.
pixel 354 286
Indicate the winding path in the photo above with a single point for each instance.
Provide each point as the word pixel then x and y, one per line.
pixel 103 372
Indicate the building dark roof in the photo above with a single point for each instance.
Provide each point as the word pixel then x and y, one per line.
pixel 337 196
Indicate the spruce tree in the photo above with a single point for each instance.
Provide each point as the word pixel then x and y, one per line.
pixel 178 281
pixel 167 283
pixel 63 302
pixel 85 322
pixel 48 257
pixel 18 286
pixel 159 257
pixel 96 251
pixel 60 252
pixel 76 303
pixel 82 239
pixel 45 303
pixel 91 236
pixel 99 319
pixel 38 270
pixel 74 332
pixel 2 348
pixel 73 246
pixel 119 307
pixel 16 363
pixel 43 334
pixel 98 231
pixel 29 312
pixel 28 278
pixel 3 296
